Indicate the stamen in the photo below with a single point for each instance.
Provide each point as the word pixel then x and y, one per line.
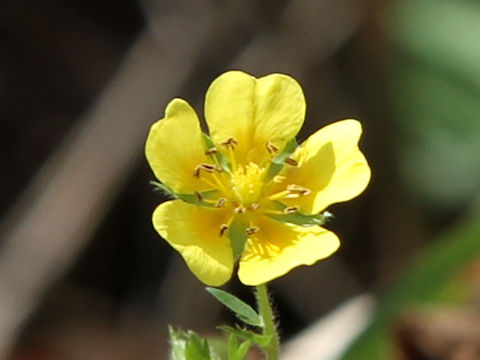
pixel 207 167
pixel 210 168
pixel 279 195
pixel 293 191
pixel 272 148
pixel 279 179
pixel 240 209
pixel 254 206
pixel 298 189
pixel 196 172
pixel 290 210
pixel 252 230
pixel 229 143
pixel 223 229
pixel 221 201
pixel 211 151
pixel 274 212
pixel 291 161
pixel 199 196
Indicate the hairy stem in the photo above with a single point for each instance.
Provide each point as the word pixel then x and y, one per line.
pixel 269 328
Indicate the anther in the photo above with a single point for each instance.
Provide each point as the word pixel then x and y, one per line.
pixel 207 167
pixel 221 201
pixel 298 189
pixel 223 229
pixel 290 210
pixel 211 151
pixel 199 196
pixel 240 209
pixel 271 148
pixel 254 206
pixel 279 179
pixel 291 161
pixel 252 230
pixel 230 143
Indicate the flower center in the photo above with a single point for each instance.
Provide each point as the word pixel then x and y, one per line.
pixel 247 184
pixel 244 189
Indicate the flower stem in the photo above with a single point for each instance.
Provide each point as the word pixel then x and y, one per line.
pixel 269 328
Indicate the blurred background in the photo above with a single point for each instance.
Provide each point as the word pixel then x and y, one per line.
pixel 83 275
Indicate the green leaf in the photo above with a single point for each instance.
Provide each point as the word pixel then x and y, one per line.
pixel 232 347
pixel 279 161
pixel 243 349
pixel 242 310
pixel 197 348
pixel 259 339
pixel 237 351
pixel 177 344
pixel 189 346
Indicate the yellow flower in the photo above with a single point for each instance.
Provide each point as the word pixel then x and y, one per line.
pixel 246 193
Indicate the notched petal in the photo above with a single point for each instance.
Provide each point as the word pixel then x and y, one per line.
pixel 172 152
pixel 277 248
pixel 194 232
pixel 331 165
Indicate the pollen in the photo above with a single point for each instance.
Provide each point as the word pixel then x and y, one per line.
pixel 220 202
pixel 290 210
pixel 199 196
pixel 240 209
pixel 298 189
pixel 223 229
pixel 291 161
pixel 211 151
pixel 272 148
pixel 252 230
pixel 209 168
pixel 230 143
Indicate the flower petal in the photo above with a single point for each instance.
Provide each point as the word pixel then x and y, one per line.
pixel 254 112
pixel 175 147
pixel 277 248
pixel 331 165
pixel 194 232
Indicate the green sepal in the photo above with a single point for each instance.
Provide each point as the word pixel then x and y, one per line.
pixel 259 339
pixel 237 232
pixel 222 160
pixel 163 188
pixel 235 350
pixel 189 346
pixel 279 160
pixel 189 198
pixel 242 310
pixel 301 219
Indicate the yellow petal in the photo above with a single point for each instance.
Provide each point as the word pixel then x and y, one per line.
pixel 175 147
pixel 331 165
pixel 278 247
pixel 194 232
pixel 254 112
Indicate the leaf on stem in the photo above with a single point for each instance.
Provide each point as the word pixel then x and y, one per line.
pixel 242 311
